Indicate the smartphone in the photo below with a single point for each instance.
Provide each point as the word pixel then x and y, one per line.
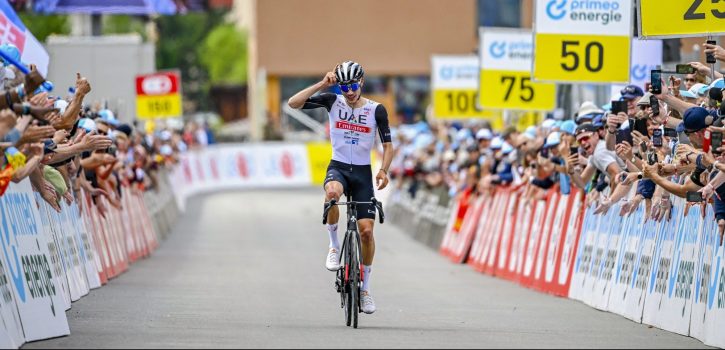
pixel 707 141
pixel 643 147
pixel 639 125
pixel 671 133
pixel 694 197
pixel 656 79
pixel 710 58
pixel 655 104
pixel 716 142
pixel 685 69
pixel 619 106
pixel 652 158
pixel 657 137
pixel 545 152
pixel 625 135
pixel 573 150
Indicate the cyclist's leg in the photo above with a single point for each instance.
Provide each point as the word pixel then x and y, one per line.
pixel 335 185
pixel 367 240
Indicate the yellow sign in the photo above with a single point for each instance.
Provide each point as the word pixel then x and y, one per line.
pixel 461 104
pixel 319 154
pixel 581 58
pixel 515 90
pixel 679 18
pixel 153 107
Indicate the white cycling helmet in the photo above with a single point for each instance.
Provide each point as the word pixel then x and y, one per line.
pixel 348 72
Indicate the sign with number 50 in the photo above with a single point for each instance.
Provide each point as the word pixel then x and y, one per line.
pixel 582 41
pixel 681 18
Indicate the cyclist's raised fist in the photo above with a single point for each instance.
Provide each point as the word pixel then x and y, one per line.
pixel 329 79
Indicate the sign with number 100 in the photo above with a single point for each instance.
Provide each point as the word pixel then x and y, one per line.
pixel 681 18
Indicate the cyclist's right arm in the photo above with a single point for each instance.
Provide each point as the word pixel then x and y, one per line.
pixel 300 99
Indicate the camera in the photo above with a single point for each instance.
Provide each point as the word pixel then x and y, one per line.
pixel 710 58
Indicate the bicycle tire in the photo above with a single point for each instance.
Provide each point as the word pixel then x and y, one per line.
pixel 355 279
pixel 347 286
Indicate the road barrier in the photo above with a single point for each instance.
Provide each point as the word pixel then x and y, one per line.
pixel 668 274
pixel 51 259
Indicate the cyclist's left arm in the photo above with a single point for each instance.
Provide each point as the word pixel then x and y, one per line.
pixel 381 118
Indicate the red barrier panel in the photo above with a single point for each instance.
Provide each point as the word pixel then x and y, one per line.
pixel 452 228
pixel 461 242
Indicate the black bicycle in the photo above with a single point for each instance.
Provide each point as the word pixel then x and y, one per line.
pixel 349 278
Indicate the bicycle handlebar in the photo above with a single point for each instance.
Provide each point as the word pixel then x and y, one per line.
pixel 376 203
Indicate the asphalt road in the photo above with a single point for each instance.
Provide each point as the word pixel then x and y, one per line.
pixel 246 270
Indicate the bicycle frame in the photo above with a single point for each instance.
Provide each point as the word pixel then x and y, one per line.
pixel 345 282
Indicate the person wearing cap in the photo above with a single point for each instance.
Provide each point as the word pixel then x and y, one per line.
pixel 631 93
pixel 600 158
pixel 553 164
pixel 587 111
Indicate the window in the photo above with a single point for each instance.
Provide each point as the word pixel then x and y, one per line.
pixel 499 13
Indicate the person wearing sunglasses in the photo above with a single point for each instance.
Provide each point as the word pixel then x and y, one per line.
pixel 355 122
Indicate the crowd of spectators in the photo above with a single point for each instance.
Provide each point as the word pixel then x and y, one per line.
pixel 65 144
pixel 640 149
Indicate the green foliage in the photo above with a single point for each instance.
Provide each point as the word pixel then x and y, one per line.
pixel 179 40
pixel 118 24
pixel 224 55
pixel 42 26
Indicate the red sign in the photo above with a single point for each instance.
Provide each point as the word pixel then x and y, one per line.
pixel 158 84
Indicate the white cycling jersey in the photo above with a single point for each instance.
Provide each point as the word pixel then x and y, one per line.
pixel 352 131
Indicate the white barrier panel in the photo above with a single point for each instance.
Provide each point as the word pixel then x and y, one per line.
pixel 12 329
pixel 661 267
pixel 26 255
pixel 677 300
pixel 557 208
pixel 86 246
pixel 715 313
pixel 630 245
pixel 241 166
pixel 709 247
pixel 55 249
pixel 612 230
pixel 585 254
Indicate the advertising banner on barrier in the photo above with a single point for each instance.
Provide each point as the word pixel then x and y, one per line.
pixel 709 247
pixel 507 236
pixel 55 249
pixel 556 211
pixel 462 241
pixel 585 255
pixel 673 313
pixel 11 325
pixel 605 279
pixel 519 232
pixel 27 259
pixel 630 244
pixel 86 246
pixel 660 274
pixel 505 214
pixel 242 166
pixel 540 213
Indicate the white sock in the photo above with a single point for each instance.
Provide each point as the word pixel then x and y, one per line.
pixel 332 230
pixel 366 278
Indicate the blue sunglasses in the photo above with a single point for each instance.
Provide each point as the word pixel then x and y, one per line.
pixel 348 87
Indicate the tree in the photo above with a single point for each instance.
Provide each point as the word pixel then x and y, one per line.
pixel 224 55
pixel 42 26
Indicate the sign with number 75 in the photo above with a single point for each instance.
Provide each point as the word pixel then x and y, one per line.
pixel 515 90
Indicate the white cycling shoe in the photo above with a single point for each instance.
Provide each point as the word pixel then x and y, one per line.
pixel 333 261
pixel 367 302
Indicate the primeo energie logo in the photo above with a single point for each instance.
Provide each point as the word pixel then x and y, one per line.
pixel 511 49
pixel 603 11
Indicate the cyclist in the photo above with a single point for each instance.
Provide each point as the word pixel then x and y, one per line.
pixel 353 124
